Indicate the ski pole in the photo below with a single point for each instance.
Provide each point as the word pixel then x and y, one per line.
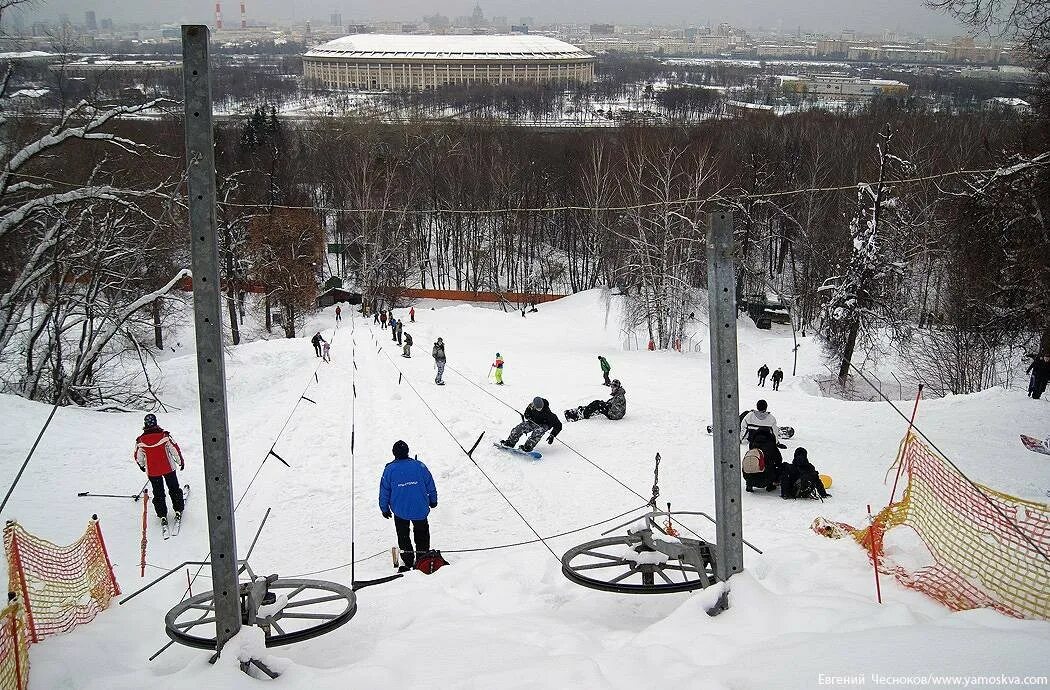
pixel 88 494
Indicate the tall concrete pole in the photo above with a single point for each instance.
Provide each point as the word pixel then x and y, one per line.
pixel 207 307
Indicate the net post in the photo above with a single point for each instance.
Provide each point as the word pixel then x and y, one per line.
pixel 721 298
pixel 211 377
pixel 105 555
pixel 10 532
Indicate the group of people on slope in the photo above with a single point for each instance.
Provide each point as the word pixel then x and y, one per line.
pixel 778 376
pixel 763 465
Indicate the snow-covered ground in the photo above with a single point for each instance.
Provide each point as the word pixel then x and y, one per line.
pixel 508 618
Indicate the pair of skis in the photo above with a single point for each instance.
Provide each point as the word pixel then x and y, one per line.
pixel 172 530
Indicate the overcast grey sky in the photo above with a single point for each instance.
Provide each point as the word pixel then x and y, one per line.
pixel 821 15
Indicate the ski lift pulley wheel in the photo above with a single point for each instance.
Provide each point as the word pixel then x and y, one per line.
pixel 314 607
pixel 642 562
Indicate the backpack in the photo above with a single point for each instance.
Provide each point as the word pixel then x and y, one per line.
pixel 754 462
pixel 430 561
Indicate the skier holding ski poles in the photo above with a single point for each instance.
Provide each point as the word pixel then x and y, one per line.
pixel 157 454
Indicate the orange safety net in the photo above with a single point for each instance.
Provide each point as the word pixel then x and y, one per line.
pixel 61 587
pixel 989 549
pixel 14 649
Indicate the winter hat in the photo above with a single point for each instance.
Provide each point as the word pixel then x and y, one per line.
pixel 149 420
pixel 616 383
pixel 762 405
pixel 441 341
pixel 801 456
pixel 400 450
pixel 497 354
pixel 537 403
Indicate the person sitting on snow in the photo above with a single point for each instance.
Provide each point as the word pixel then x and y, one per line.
pixel 535 422
pixel 613 408
pixel 756 419
pixel 768 478
pixel 800 479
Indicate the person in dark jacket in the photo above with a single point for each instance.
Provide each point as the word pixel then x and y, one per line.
pixel 406 351
pixel 535 422
pixel 439 360
pixel 778 376
pixel 800 479
pixel 613 408
pixel 316 342
pixel 382 318
pixel 763 372
pixel 407 493
pixel 1040 371
pixel 157 454
pixel 763 440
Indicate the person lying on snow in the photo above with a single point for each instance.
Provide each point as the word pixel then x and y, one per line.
pixel 800 479
pixel 613 408
pixel 535 422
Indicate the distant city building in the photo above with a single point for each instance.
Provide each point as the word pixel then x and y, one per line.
pixel 603 29
pixel 519 28
pixel 770 50
pixel 335 19
pixel 107 25
pixel 1001 103
pixel 477 18
pixel 377 61
pixel 836 87
pixel 89 21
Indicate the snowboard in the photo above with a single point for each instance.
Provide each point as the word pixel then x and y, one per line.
pixel 534 454
pixel 785 431
pixel 574 415
pixel 1035 444
pixel 825 479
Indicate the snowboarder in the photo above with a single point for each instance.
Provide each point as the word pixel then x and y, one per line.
pixel 324 351
pixel 605 369
pixel 764 441
pixel 439 360
pixel 800 479
pixel 393 328
pixel 613 408
pixel 407 493
pixel 338 313
pixel 406 351
pixel 535 422
pixel 375 317
pixel 1040 371
pixel 316 341
pixel 498 367
pixel 757 418
pixel 157 454
pixel 412 314
pixel 400 330
pixel 778 376
pixel 382 319
pixel 763 372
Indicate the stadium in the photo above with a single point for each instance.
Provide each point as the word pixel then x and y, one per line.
pixel 377 61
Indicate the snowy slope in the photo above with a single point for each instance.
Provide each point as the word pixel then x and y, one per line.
pixel 808 601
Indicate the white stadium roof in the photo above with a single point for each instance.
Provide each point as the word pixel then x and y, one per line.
pixel 447 47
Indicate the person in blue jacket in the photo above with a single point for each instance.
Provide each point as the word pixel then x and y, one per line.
pixel 407 493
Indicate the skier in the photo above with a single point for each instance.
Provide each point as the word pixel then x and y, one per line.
pixel 375 317
pixel 778 376
pixel 382 319
pixel 1040 371
pixel 763 372
pixel 439 360
pixel 800 479
pixel 407 493
pixel 338 313
pixel 406 351
pixel 498 366
pixel 613 408
pixel 157 454
pixel 324 351
pixel 393 328
pixel 605 369
pixel 764 441
pixel 535 422
pixel 756 419
pixel 316 341
pixel 412 314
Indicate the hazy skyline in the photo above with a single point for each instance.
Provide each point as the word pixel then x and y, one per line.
pixel 862 15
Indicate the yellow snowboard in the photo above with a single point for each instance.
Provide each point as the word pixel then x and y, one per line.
pixel 825 479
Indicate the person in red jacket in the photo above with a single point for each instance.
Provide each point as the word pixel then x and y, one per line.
pixel 157 454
